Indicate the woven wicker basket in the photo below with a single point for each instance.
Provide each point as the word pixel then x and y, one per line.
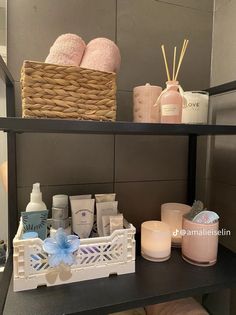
pixel 55 91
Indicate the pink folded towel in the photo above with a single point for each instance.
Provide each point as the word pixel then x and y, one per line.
pixel 68 49
pixel 101 54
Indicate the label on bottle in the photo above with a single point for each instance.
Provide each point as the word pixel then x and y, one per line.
pixel 170 110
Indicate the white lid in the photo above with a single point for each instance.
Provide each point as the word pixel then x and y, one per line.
pixel 60 201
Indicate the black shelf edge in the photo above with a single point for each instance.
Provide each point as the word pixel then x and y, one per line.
pixel 152 283
pixel 28 125
pixel 5 281
pixel 222 88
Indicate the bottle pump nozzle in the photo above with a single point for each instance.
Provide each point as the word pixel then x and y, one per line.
pixel 36 188
pixel 36 195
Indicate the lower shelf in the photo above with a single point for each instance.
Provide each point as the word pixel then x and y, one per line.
pixel 152 283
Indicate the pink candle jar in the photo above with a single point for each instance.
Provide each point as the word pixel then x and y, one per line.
pixel 172 214
pixel 144 98
pixel 171 102
pixel 200 242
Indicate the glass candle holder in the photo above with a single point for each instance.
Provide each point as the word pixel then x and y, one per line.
pixel 172 214
pixel 155 241
pixel 200 242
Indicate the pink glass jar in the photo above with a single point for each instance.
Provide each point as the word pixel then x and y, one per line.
pixel 171 102
pixel 200 242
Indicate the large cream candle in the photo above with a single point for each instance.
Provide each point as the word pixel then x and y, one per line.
pixel 144 98
pixel 155 240
pixel 172 214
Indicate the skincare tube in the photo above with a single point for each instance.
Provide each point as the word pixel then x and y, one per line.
pixel 105 208
pixel 80 197
pixel 35 221
pixel 106 225
pixel 82 216
pixel 116 222
pixel 105 197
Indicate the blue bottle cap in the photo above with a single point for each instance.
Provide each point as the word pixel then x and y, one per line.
pixel 28 235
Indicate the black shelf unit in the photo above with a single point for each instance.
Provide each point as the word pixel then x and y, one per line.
pixel 152 283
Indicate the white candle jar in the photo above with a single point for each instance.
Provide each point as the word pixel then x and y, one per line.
pixel 155 241
pixel 172 214
pixel 195 107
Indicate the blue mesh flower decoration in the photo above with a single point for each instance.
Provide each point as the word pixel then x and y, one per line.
pixel 61 248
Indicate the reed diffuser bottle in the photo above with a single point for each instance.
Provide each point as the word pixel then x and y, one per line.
pixel 172 98
pixel 171 104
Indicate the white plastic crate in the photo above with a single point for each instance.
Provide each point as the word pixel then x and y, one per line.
pixel 97 257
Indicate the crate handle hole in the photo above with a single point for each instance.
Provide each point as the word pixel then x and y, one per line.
pixel 42 286
pixel 113 274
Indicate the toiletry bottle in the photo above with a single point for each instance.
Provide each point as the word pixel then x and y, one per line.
pixel 171 103
pixel 36 203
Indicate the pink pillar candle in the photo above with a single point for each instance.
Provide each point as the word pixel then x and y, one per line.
pixel 144 98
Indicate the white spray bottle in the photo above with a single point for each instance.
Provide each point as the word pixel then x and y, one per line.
pixel 36 203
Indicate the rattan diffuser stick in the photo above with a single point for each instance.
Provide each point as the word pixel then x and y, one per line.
pixel 184 47
pixel 165 60
pixel 174 61
pixel 181 57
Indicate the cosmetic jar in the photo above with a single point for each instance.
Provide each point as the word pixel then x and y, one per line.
pixel 54 231
pixel 59 213
pixel 63 223
pixel 28 235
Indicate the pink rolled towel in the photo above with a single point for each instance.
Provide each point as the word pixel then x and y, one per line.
pixel 101 54
pixel 68 49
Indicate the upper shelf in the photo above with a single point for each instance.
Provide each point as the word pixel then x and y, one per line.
pixel 21 125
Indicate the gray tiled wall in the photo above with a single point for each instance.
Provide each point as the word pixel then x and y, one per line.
pixel 144 171
pixel 223 156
